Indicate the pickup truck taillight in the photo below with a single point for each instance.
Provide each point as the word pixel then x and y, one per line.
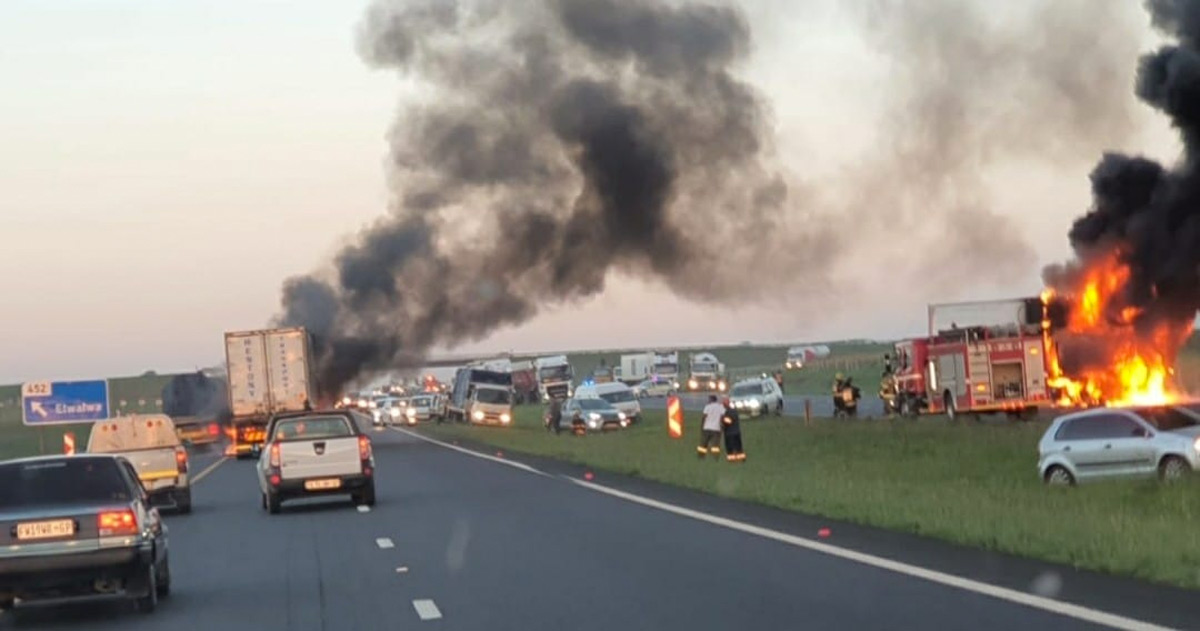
pixel 116 522
pixel 213 429
pixel 364 454
pixel 274 456
pixel 181 459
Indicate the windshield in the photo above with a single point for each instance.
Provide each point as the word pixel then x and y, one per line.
pixel 620 396
pixel 747 389
pixel 67 481
pixel 704 367
pixel 492 395
pixel 1169 418
pixel 422 402
pixel 594 404
pixel 666 369
pixel 554 372
pixel 312 428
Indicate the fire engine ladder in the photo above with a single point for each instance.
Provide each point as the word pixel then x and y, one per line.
pixel 980 369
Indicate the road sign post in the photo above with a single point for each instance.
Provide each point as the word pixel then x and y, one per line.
pixel 63 402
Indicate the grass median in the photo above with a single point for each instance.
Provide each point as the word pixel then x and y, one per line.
pixel 966 483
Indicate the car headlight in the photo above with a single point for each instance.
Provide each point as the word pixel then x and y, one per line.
pixel 477 415
pixel 755 403
pixel 721 386
pixel 409 412
pixel 595 416
pixel 505 418
pixel 1196 444
pixel 620 416
pixel 675 385
pixel 624 423
pixel 593 424
pixel 692 384
pixel 345 400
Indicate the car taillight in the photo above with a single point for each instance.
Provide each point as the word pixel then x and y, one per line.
pixel 213 429
pixel 116 522
pixel 181 459
pixel 364 448
pixel 274 458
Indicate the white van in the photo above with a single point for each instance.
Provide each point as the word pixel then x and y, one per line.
pixel 618 394
pixel 150 443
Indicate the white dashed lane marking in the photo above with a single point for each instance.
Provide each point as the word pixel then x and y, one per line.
pixel 426 609
pixel 384 543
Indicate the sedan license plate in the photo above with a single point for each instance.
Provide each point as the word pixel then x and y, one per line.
pixel 322 485
pixel 46 529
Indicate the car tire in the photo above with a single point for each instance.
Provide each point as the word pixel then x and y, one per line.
pixel 164 579
pixel 149 602
pixel 1173 469
pixel 183 502
pixel 366 497
pixel 274 504
pixel 1058 475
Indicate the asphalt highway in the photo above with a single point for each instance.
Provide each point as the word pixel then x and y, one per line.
pixel 459 541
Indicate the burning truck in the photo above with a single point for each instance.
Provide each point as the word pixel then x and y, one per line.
pixel 1060 349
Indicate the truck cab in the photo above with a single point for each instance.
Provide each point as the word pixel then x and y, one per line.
pixel 555 377
pixel 490 405
pixel 706 374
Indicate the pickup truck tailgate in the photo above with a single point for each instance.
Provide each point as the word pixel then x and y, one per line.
pixel 324 457
pixel 156 467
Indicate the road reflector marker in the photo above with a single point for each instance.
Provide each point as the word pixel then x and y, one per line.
pixel 824 532
pixel 588 475
pixel 384 543
pixel 426 609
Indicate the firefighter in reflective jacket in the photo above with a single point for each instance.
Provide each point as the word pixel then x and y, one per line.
pixel 732 430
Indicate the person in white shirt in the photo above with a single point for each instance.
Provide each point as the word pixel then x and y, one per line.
pixel 710 436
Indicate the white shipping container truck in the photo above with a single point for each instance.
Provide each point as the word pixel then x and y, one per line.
pixel 636 367
pixel 269 372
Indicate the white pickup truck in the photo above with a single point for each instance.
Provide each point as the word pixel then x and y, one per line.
pixel 152 445
pixel 314 454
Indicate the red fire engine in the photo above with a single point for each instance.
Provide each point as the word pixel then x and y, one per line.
pixel 993 359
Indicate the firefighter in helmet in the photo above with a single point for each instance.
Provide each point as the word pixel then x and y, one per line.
pixel 731 429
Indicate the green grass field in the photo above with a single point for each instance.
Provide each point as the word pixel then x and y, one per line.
pixel 970 484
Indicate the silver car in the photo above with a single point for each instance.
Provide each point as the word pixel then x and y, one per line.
pixel 1121 442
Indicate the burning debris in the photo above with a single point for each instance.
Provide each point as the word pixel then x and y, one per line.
pixel 1120 313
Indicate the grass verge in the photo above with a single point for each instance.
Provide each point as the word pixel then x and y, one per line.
pixel 969 484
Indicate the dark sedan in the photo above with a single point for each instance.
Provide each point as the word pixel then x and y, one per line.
pixel 79 528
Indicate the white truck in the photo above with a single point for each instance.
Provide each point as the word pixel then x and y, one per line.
pixel 313 454
pixel 555 377
pixel 152 446
pixel 798 356
pixel 269 373
pixel 636 367
pixel 706 373
pixel 666 367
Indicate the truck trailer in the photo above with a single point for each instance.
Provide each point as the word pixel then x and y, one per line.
pixel 268 372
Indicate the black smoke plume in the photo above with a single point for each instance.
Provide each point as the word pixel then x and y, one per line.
pixel 196 394
pixel 560 141
pixel 1147 215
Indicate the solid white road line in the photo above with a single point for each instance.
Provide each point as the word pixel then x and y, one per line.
pixel 209 469
pixel 426 609
pixel 384 543
pixel 1055 606
pixel 516 465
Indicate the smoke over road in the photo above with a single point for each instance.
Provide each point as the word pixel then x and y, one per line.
pixel 554 142
pixel 560 140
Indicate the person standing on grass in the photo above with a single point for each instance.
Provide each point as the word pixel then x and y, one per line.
pixel 731 428
pixel 554 416
pixel 710 430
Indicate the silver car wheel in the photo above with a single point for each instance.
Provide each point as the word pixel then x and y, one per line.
pixel 1173 469
pixel 1059 476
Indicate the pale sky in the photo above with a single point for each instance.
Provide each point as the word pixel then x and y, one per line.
pixel 165 165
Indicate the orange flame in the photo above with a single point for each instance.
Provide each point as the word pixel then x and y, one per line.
pixel 1138 370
